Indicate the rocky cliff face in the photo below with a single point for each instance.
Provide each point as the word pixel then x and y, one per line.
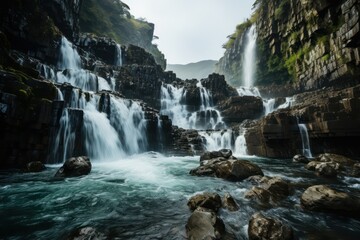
pixel 330 116
pixel 311 44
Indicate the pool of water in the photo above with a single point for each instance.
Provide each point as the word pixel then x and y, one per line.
pixel 145 197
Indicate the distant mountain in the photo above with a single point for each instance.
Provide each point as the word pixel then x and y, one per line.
pixel 196 70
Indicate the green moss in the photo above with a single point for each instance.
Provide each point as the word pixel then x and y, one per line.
pixel 290 63
pixel 282 11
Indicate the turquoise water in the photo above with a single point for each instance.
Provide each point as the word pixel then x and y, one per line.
pixel 145 197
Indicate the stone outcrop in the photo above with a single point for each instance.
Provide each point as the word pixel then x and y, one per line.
pixel 269 191
pixel 204 224
pixel 27 115
pixel 229 203
pixel 210 201
pixel 228 168
pixel 74 167
pixel 35 166
pixel 316 44
pixel 239 108
pixel 331 117
pixel 324 199
pixel 261 227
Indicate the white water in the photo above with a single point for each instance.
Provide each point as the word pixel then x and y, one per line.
pixel 248 91
pixel 69 57
pixel 216 140
pixel 172 99
pixel 118 56
pixel 306 150
pixel 249 60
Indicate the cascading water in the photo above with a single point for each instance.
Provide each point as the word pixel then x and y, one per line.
pixel 172 100
pixel 306 150
pixel 249 60
pixel 69 57
pixel 118 56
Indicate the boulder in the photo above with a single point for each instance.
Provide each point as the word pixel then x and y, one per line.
pixel 86 233
pixel 74 167
pixel 229 203
pixel 336 158
pixel 312 165
pixel 224 153
pixel 210 201
pixel 204 224
pixel 259 194
pixel 236 170
pixel 270 190
pixel 300 159
pixel 326 169
pixel 35 166
pixel 261 227
pixel 324 199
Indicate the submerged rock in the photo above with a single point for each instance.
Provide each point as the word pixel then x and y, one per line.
pixel 86 233
pixel 36 166
pixel 204 224
pixel 324 199
pixel 300 158
pixel 229 203
pixel 74 167
pixel 261 227
pixel 270 190
pixel 210 201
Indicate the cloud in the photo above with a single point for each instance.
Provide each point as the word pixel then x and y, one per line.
pixel 192 30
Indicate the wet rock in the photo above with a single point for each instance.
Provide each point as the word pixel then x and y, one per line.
pixel 269 191
pixel 238 108
pixel 324 199
pixel 236 170
pixel 300 159
pixel 355 172
pixel 74 167
pixel 204 224
pixel 223 153
pixel 232 170
pixel 229 203
pixel 336 158
pixel 259 194
pixel 261 227
pixel 312 165
pixel 326 170
pixel 210 201
pixel 87 233
pixel 36 166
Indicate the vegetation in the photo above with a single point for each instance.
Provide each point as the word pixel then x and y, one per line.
pixel 112 18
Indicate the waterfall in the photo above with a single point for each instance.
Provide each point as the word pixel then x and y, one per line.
pixel 46 71
pixel 306 151
pixel 171 98
pixel 69 57
pixel 240 145
pixel 118 56
pixel 216 140
pixel 59 95
pixel 172 105
pixel 269 105
pixel 249 59
pixel 248 91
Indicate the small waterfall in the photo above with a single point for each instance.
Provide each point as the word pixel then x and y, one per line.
pixel 306 150
pixel 240 145
pixel 46 71
pixel 288 103
pixel 248 91
pixel 69 57
pixel 249 59
pixel 59 95
pixel 216 140
pixel 269 105
pixel 118 56
pixel 171 98
pixel 207 117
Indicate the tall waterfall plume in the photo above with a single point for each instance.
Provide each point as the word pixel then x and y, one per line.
pixel 249 65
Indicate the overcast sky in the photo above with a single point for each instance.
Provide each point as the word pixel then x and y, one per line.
pixel 192 30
